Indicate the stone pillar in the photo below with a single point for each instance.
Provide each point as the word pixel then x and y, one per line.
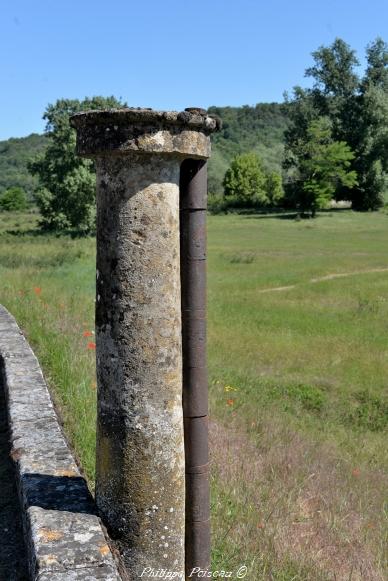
pixel 140 484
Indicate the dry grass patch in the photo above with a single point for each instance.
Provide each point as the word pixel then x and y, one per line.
pixel 296 502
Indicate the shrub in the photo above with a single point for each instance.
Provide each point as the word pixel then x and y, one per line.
pixel 245 179
pixel 217 204
pixel 274 188
pixel 13 200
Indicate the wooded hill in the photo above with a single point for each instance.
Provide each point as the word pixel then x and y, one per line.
pixel 258 128
pixel 14 155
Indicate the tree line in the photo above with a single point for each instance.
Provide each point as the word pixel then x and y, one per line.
pixel 332 137
pixel 336 143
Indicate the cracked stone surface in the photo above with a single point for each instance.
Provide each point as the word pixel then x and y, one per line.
pixel 122 131
pixel 140 486
pixel 63 534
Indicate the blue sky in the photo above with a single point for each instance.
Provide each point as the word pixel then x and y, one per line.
pixel 167 54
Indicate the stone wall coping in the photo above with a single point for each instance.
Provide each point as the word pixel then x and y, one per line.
pixel 63 534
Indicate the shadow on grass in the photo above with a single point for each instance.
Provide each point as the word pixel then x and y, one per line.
pixel 288 214
pixel 73 234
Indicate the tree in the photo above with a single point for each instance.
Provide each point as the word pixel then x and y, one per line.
pixel 259 128
pixel 371 131
pixel 274 188
pixel 323 164
pixel 13 200
pixel 358 113
pixel 376 73
pixel 245 179
pixel 66 196
pixel 333 70
pixel 302 111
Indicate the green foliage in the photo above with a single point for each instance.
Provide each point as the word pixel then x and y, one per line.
pixel 13 200
pixel 333 69
pixel 310 397
pixel 274 188
pixel 358 113
pixel 217 204
pixel 371 412
pixel 259 128
pixel 242 258
pixel 245 179
pixel 323 164
pixel 14 156
pixel 371 131
pixel 247 185
pixel 244 129
pixel 377 65
pixel 66 197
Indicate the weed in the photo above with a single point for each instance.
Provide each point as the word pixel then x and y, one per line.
pixel 242 258
pixel 367 305
pixel 310 397
pixel 370 413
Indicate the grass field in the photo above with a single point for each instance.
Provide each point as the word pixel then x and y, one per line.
pixel 298 359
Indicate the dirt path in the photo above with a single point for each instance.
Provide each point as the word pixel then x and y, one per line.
pixel 323 278
pixel 13 562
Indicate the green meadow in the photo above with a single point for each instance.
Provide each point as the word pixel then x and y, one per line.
pixel 298 370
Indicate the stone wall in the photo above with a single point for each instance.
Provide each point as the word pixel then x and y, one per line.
pixel 63 535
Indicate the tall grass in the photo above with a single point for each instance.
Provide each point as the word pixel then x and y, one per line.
pixel 298 363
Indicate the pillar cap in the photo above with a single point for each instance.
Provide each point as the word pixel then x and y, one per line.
pixel 128 130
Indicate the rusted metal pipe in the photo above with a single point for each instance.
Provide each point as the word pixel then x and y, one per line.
pixel 193 202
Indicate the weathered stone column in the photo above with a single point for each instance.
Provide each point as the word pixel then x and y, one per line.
pixel 140 488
